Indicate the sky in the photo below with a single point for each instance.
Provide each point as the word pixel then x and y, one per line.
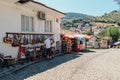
pixel 89 7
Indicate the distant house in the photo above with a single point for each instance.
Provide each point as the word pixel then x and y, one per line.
pixel 27 18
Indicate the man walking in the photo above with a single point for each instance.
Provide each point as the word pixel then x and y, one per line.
pixel 47 43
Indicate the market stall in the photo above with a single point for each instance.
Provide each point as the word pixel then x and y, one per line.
pixel 72 43
pixel 29 44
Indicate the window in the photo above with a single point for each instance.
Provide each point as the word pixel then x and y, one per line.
pixel 57 20
pixel 26 24
pixel 48 27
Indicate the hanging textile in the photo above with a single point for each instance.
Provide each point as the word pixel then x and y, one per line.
pixel 21 53
pixel 24 40
pixel 37 39
pixel 15 41
pixel 7 40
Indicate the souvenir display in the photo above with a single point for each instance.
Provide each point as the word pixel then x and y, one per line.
pixel 15 41
pixel 42 39
pixel 30 46
pixel 24 40
pixel 37 39
pixel 7 39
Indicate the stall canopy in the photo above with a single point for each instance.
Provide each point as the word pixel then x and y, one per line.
pixel 86 36
pixel 116 43
pixel 79 37
pixel 69 36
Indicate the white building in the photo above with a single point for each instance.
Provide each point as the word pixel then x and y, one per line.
pixel 29 17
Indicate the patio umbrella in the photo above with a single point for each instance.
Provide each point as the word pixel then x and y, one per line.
pixel 81 38
pixel 116 43
pixel 86 36
pixel 68 36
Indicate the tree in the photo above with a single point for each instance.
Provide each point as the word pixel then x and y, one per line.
pixel 87 33
pixel 114 33
pixel 101 35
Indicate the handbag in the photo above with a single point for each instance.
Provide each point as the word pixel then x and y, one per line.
pixel 24 41
pixel 7 40
pixel 37 39
pixel 15 42
pixel 42 39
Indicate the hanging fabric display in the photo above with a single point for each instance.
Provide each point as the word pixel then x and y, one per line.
pixel 37 39
pixel 15 41
pixel 42 39
pixel 24 40
pixel 34 39
pixel 19 37
pixel 21 53
pixel 29 39
pixel 21 41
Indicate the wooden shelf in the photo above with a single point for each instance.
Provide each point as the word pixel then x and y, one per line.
pixel 29 33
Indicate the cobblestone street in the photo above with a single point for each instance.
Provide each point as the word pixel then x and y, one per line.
pixel 101 64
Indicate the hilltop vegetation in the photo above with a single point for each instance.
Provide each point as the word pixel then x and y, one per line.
pixel 71 15
pixel 112 17
pixel 74 19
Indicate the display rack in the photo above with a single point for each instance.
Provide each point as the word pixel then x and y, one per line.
pixel 33 47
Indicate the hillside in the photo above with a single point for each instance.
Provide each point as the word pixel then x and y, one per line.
pixel 74 19
pixel 74 23
pixel 72 15
pixel 112 17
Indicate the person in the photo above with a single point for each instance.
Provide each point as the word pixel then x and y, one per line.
pixel 52 48
pixel 3 61
pixel 47 44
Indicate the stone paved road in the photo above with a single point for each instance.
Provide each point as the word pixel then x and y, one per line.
pixel 103 64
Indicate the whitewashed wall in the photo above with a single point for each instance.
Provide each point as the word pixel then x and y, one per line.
pixel 10 21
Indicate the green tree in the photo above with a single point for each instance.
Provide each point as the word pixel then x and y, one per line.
pixel 102 34
pixel 114 33
pixel 87 33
